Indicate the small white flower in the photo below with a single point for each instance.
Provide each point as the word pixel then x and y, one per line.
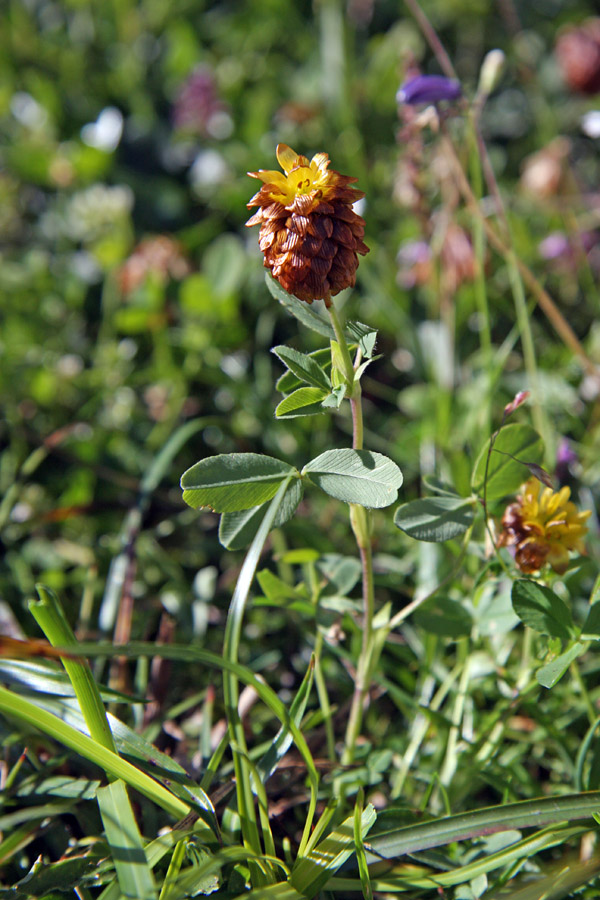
pixel 105 133
pixel 590 123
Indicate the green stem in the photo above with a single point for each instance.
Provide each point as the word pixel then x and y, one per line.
pixel 479 244
pixel 323 696
pixel 169 889
pixel 361 527
pixel 321 684
pixel 420 726
pixel 450 760
pixel 363 671
pixel 589 706
pixel 344 350
pixel 518 293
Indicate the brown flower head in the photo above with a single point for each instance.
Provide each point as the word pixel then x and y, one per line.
pixel 309 234
pixel 543 525
pixel 543 172
pixel 457 258
pixel 160 255
pixel 578 54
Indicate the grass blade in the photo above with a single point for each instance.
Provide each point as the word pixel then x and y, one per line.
pixel 133 872
pixel 233 630
pixel 312 872
pixel 509 816
pixel 283 738
pixel 20 708
pixel 50 616
pixel 363 869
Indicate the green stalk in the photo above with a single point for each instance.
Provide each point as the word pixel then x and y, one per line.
pixel 420 726
pixel 360 522
pixel 323 696
pixel 479 244
pixel 344 350
pixel 587 701
pixel 321 684
pixel 49 615
pixel 518 293
pixel 450 759
pixel 365 660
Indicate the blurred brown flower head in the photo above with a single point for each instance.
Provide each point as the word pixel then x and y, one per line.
pixel 543 526
pixel 578 55
pixel 415 264
pixel 457 258
pixel 309 233
pixel 198 109
pixel 160 256
pixel 543 173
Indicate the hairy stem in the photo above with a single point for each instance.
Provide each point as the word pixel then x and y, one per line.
pixel 360 522
pixel 344 349
pixel 363 672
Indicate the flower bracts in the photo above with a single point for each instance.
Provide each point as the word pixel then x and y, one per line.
pixel 310 235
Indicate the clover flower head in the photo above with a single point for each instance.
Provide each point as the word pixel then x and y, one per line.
pixel 310 234
pixel 159 255
pixel 543 526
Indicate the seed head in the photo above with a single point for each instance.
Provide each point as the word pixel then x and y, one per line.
pixel 309 233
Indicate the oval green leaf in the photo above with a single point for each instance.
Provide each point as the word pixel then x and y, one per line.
pixel 306 401
pixel 303 366
pixel 234 481
pixel 356 476
pixel 515 447
pixel 365 335
pixel 299 309
pixel 541 609
pixel 553 671
pixel 435 518
pixel 288 382
pixel 237 529
pixel 445 617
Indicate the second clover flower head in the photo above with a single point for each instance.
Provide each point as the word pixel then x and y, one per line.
pixel 543 526
pixel 428 89
pixel 310 234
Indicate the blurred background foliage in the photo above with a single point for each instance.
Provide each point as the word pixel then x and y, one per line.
pixel 133 298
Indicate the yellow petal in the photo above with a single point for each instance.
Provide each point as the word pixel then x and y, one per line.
pixel 268 176
pixel 287 158
pixel 320 160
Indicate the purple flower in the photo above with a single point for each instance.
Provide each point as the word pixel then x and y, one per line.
pixel 557 246
pixel 565 457
pixel 554 246
pixel 428 89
